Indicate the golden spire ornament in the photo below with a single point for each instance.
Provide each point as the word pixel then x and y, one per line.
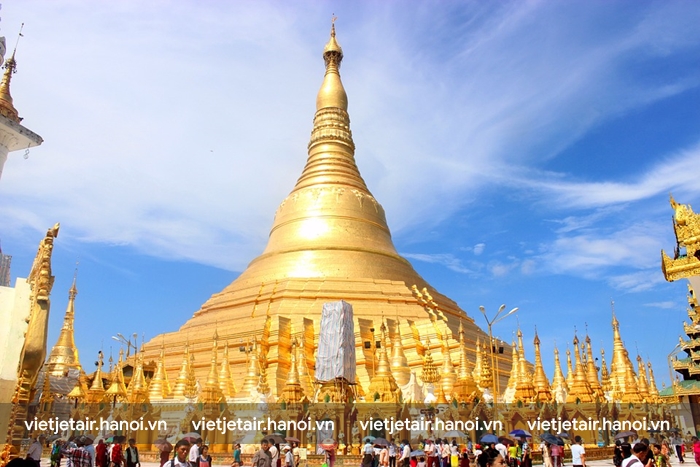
pixel 293 393
pixel 642 385
pixel 465 390
pixel 382 386
pixel 569 369
pixel 430 373
pixel 476 372
pixel 559 387
pixel 524 389
pixel 181 381
pixel 117 390
pixel 7 108
pixel 399 362
pixel 592 371
pixel 211 393
pixel 448 375
pixel 64 355
pixel 580 391
pixel 509 394
pixel 604 375
pixel 137 392
pixel 226 384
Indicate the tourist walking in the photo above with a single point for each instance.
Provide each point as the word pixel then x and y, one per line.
pixel 180 459
pixel 262 457
pixel 578 453
pixel 132 454
pixel 236 455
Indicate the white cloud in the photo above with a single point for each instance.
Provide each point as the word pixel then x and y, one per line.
pixel 445 259
pixel 637 281
pixel 479 248
pixel 179 130
pixel 667 305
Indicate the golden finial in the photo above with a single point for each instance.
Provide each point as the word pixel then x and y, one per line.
pixel 159 388
pixel 543 391
pixel 580 391
pixel 228 387
pixel 332 93
pixel 64 354
pixel 7 109
pixel 399 362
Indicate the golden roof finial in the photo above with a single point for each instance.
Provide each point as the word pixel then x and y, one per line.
pixel 476 372
pixel 465 389
pixel 448 373
pixel 642 384
pixel 212 394
pixel 181 381
pixel 332 93
pixel 399 362
pixel 509 395
pixel 653 390
pixel 137 392
pixel 7 108
pixel 569 368
pixel 64 355
pixel 604 375
pixel 524 388
pixel 382 386
pixel 293 393
pixel 117 389
pixel 97 388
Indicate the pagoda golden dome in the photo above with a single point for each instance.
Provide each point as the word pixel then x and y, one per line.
pixel 329 241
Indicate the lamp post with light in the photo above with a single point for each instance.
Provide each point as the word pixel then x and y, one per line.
pixel 120 338
pixel 490 323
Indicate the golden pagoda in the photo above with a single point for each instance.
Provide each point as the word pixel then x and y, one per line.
pixel 569 369
pixel 592 371
pixel 579 391
pixel 159 387
pixel 399 362
pixel 211 393
pixel 117 389
pixel 509 393
pixel 604 375
pixel 465 389
pixel 96 393
pixel 228 387
pixel 621 365
pixel 559 387
pixel 382 386
pixel 64 355
pixel 293 392
pixel 642 385
pixel 524 388
pixel 137 391
pixel 543 391
pixel 329 241
pixel 448 375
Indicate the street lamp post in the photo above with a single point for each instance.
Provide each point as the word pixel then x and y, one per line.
pixel 490 323
pixel 120 338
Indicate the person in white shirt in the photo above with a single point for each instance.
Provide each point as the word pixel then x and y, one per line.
pixel 405 459
pixel 288 457
pixel 194 452
pixel 639 453
pixel 36 449
pixel 578 453
pixel 180 459
pixel 275 453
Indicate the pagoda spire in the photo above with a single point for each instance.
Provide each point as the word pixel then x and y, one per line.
pixel 486 380
pixel 524 389
pixel 293 392
pixel 430 372
pixel 212 394
pixel 305 377
pixel 448 375
pixel 580 390
pixel 117 390
pixel 64 355
pixel 642 385
pixel 543 391
pixel 159 388
pixel 620 364
pixel 137 392
pixel 181 381
pixel 465 389
pixel 592 371
pixel 399 362
pixel 7 108
pixel 559 386
pixel 569 369
pixel 252 377
pixel 97 390
pixel 476 372
pixel 604 375
pixel 382 386
pixel 228 388
pixel 653 390
pixel 509 393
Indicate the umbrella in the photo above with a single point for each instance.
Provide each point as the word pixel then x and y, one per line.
pixel 292 439
pixel 454 434
pixel 370 438
pixel 489 438
pixel 119 439
pixel 328 444
pixel 110 439
pixel 625 434
pixel 550 438
pixel 505 440
pixel 417 453
pixel 53 438
pixel 275 438
pixel 192 437
pixel 521 433
pixel 381 442
pixel 87 439
pixel 163 445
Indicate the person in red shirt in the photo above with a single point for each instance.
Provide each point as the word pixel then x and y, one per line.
pixel 117 456
pixel 101 454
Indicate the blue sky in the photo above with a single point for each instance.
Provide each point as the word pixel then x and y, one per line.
pixel 523 151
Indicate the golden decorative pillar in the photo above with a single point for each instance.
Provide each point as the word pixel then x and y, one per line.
pixel 137 392
pixel 181 381
pixel 476 373
pixel 448 376
pixel 486 380
pixel 252 377
pixel 465 389
pixel 653 390
pixel 96 393
pixel 509 393
pixel 604 375
pixel 642 385
pixel 117 390
pixel 569 369
pixel 543 391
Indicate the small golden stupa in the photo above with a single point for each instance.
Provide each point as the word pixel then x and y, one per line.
pixel 329 241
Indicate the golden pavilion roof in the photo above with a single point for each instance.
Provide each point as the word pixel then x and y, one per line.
pixel 686 258
pixel 329 240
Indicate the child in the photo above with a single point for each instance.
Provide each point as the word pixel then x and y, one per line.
pixel 421 462
pixel 661 458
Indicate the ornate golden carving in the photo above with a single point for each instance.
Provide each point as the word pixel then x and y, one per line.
pixel 686 225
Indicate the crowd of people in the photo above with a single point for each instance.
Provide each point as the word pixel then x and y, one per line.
pixel 644 453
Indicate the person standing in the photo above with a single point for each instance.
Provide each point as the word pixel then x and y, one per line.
pixel 180 459
pixel 546 454
pixel 392 453
pixel 274 453
pixel 36 449
pixel 696 448
pixel 384 456
pixel 236 455
pixel 204 458
pixel 578 453
pixel 132 454
pixel 367 454
pixel 405 459
pixel 116 457
pixel 288 457
pixel 639 454
pixel 194 452
pixel 262 457
pixel 101 454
